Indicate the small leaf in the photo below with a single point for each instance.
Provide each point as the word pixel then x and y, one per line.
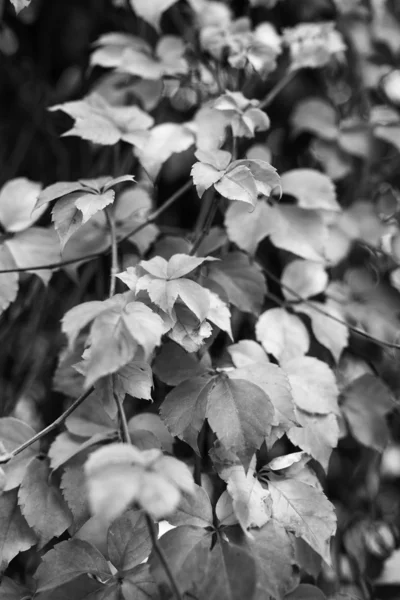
pixel 14 433
pixel 313 385
pixel 11 590
pixel 282 334
pixel 238 184
pixel 72 483
pixel 42 504
pixel 366 415
pixel 242 281
pixel 251 502
pixel 135 379
pixel 15 534
pixel 164 141
pixel 151 423
pixel 328 332
pixel 18 198
pixel 67 218
pixel 204 176
pixel 298 230
pixel 8 281
pixel 317 436
pixel 305 511
pixel 89 204
pixel 173 365
pixel 306 278
pixel 247 352
pixel 67 561
pixel 20 4
pixel 129 541
pixel 315 116
pixel 313 190
pixel 139 584
pixel 35 246
pixel 247 228
pixel 305 591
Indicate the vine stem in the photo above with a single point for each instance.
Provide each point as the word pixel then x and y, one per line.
pixel 150 219
pixel 150 523
pixel 114 252
pixel 282 83
pixel 204 228
pixel 59 421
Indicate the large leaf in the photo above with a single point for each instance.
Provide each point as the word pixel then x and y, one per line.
pixel 67 561
pixel 139 584
pixel 242 281
pixel 299 231
pixel 231 573
pixel 42 504
pixel 184 409
pixel 240 414
pixel 128 540
pixel 305 511
pixel 275 383
pixel 246 227
pixel 17 200
pixel 282 334
pixel 15 534
pixel 313 190
pixel 366 402
pixel 188 551
pixel 194 510
pixel 173 364
pixel 315 116
pixel 164 141
pixel 247 352
pixel 13 433
pixel 317 436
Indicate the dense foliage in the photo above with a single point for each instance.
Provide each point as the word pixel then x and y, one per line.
pixel 199 296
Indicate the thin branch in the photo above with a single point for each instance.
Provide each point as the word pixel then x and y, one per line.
pixel 150 219
pixel 282 83
pixel 209 218
pixel 163 559
pixel 114 252
pixel 59 421
pixel 325 313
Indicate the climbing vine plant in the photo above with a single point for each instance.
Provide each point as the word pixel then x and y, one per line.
pixel 239 363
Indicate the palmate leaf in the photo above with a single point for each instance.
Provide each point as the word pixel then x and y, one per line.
pixel 194 510
pixel 128 540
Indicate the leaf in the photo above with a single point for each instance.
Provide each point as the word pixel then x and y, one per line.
pixel 305 277
pixel 173 365
pixel 328 332
pixel 285 461
pixel 248 228
pixel 90 419
pixel 242 281
pixel 135 379
pixel 89 204
pixel 194 510
pixel 20 4
pixel 247 352
pixel 35 246
pixel 188 551
pixel 366 402
pixel 139 584
pixel 164 141
pixel 14 433
pixel 251 502
pixel 238 184
pixel 275 384
pixel 151 423
pixel 67 218
pixel 119 475
pixel 15 534
pixel 305 591
pixel 282 334
pixel 178 266
pixel 8 281
pixel 184 408
pixel 83 587
pixel 58 190
pixel 317 436
pixel 129 541
pixel 67 561
pixel 313 190
pixel 11 590
pixel 151 13
pixel 42 504
pixel 298 230
pixel 305 511
pixel 231 573
pixel 313 385
pixel 80 316
pixel 315 116
pixel 240 414
pixel 72 483
pixel 265 175
pixel 17 201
